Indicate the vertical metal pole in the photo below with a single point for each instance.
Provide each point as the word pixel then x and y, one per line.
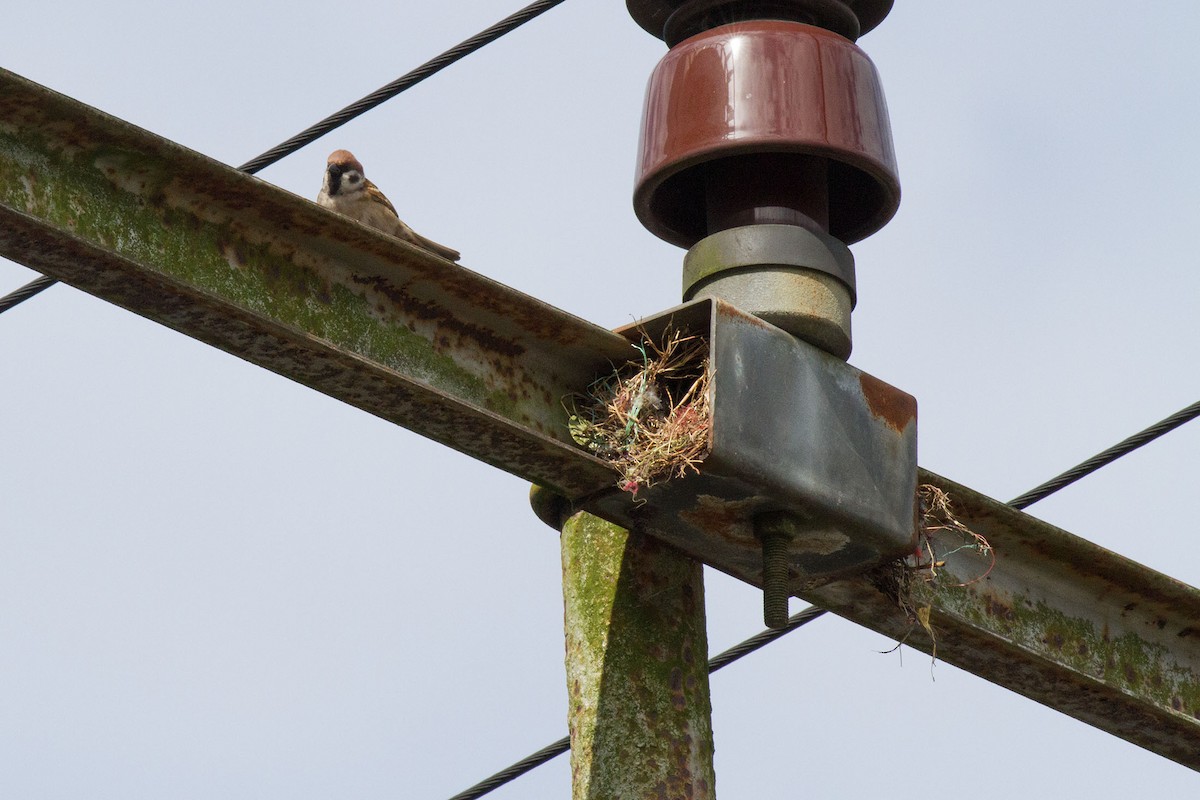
pixel 637 669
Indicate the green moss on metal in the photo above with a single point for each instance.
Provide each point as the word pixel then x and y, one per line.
pixel 104 200
pixel 636 666
pixel 1135 665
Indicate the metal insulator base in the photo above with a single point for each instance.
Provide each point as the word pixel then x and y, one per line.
pixel 794 278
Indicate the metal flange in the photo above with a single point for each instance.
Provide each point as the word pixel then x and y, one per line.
pixel 675 20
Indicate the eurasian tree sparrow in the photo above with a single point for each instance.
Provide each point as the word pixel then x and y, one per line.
pixel 347 191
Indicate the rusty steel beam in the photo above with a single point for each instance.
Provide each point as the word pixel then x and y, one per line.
pixel 1057 619
pixel 278 281
pixel 273 278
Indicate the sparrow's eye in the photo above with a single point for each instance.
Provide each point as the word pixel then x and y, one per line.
pixel 336 170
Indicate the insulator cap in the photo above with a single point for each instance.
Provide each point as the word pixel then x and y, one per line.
pixel 675 20
pixel 741 92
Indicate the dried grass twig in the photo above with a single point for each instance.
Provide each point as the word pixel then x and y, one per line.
pixel 649 418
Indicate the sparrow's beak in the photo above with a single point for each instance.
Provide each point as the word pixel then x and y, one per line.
pixel 335 177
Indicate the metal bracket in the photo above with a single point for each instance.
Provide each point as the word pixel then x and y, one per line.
pixel 793 430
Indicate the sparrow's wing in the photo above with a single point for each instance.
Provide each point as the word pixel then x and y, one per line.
pixel 378 197
pixel 405 232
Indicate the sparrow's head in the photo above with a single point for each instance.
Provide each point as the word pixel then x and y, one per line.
pixel 344 174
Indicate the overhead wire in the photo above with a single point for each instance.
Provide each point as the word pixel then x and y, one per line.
pixel 723 659
pixel 807 615
pixel 407 81
pixel 25 292
pixel 350 112
pixel 1108 456
pixel 526 764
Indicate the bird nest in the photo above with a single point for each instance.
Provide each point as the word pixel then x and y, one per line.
pixel 940 534
pixel 650 417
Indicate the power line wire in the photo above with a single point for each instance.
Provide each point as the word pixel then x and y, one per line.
pixel 812 612
pixel 1107 457
pixel 530 762
pixel 764 638
pixel 25 292
pixel 715 663
pixel 397 86
pixel 334 121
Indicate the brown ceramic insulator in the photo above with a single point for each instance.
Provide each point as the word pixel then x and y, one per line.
pixel 674 20
pixel 784 90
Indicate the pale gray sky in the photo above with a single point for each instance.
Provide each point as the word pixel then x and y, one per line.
pixel 215 583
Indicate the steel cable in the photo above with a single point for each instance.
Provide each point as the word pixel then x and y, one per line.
pixel 764 638
pixel 334 121
pixel 531 761
pixel 715 663
pixel 385 93
pixel 25 292
pixel 1107 457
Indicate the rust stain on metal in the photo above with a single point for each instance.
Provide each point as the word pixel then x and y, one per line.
pixel 728 519
pixel 443 318
pixel 995 608
pixel 898 409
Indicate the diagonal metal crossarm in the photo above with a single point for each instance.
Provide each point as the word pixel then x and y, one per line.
pixel 1055 618
pixel 274 279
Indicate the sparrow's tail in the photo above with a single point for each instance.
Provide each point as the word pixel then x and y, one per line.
pixel 448 253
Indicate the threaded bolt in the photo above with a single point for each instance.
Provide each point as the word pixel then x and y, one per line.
pixel 774 530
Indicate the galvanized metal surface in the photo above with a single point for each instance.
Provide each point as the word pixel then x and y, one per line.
pixel 1057 619
pixel 764 245
pixel 277 280
pixel 794 278
pixel 637 669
